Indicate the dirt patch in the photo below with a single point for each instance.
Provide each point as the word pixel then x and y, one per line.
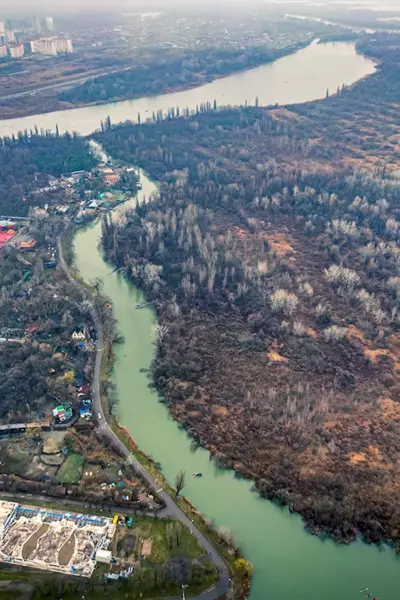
pixel 53 460
pixel 31 544
pixel 276 357
pixel 67 551
pixel 146 547
pixel 374 355
pixel 52 442
pixel 280 244
pixel 221 411
pixel 357 457
pixel 37 468
pixel 353 333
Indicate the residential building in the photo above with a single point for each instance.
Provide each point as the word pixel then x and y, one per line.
pixel 17 51
pixel 3 51
pixel 2 28
pixel 64 46
pixel 44 46
pixel 51 46
pixel 37 24
pixel 111 178
pixel 10 35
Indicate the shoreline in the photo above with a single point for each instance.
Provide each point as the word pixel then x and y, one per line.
pixel 229 555
pixel 60 105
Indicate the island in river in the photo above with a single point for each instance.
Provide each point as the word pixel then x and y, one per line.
pixel 271 258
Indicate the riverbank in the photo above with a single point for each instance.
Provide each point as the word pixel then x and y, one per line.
pixel 32 104
pixel 299 77
pixel 180 508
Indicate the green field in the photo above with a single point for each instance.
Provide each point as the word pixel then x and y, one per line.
pixel 71 470
pixel 156 530
pixel 13 459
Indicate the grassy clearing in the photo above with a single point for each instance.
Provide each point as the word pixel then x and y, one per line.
pixel 14 460
pixel 156 529
pixel 71 470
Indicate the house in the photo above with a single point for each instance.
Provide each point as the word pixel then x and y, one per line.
pixel 111 178
pixel 78 335
pixel 63 412
pixel 28 245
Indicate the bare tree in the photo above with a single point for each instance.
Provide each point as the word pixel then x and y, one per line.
pixel 179 482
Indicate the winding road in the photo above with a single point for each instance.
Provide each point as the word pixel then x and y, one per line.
pixel 171 510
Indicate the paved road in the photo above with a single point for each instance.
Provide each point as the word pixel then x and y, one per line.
pixel 172 509
pixel 61 85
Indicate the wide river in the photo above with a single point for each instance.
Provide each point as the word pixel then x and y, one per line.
pixel 299 77
pixel 288 562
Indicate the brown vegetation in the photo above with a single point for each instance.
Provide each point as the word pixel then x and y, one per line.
pixel 277 288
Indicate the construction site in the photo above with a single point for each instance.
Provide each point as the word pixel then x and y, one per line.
pixel 54 541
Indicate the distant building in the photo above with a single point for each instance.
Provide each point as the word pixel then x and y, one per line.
pixel 111 178
pixel 10 35
pixel 51 46
pixel 48 23
pixel 3 51
pixel 44 46
pixel 2 28
pixel 17 51
pixel 37 24
pixel 64 46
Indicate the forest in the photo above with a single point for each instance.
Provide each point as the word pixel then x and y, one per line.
pixel 28 159
pixel 271 255
pixel 176 70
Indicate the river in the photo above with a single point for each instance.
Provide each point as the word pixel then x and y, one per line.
pixel 298 77
pixel 288 563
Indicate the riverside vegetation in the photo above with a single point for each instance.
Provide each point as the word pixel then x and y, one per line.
pixel 271 255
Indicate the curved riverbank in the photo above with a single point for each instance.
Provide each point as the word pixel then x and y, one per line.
pixel 288 562
pixel 300 77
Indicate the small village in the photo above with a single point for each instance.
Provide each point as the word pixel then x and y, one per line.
pixel 80 196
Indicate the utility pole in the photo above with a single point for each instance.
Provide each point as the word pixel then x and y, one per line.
pixel 183 592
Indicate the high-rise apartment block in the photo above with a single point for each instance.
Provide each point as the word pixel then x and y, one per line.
pixel 63 45
pixel 48 23
pixel 37 24
pixel 17 51
pixel 2 28
pixel 44 46
pixel 51 46
pixel 3 51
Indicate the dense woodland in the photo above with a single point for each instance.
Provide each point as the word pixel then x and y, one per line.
pixel 272 257
pixel 173 71
pixel 27 160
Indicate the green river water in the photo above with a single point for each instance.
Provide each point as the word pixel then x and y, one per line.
pixel 288 562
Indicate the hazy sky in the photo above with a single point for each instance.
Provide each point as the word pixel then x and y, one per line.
pixel 9 7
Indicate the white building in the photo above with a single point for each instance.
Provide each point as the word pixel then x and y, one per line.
pixel 3 51
pixel 17 51
pixel 64 46
pixel 10 35
pixel 2 28
pixel 51 46
pixel 44 46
